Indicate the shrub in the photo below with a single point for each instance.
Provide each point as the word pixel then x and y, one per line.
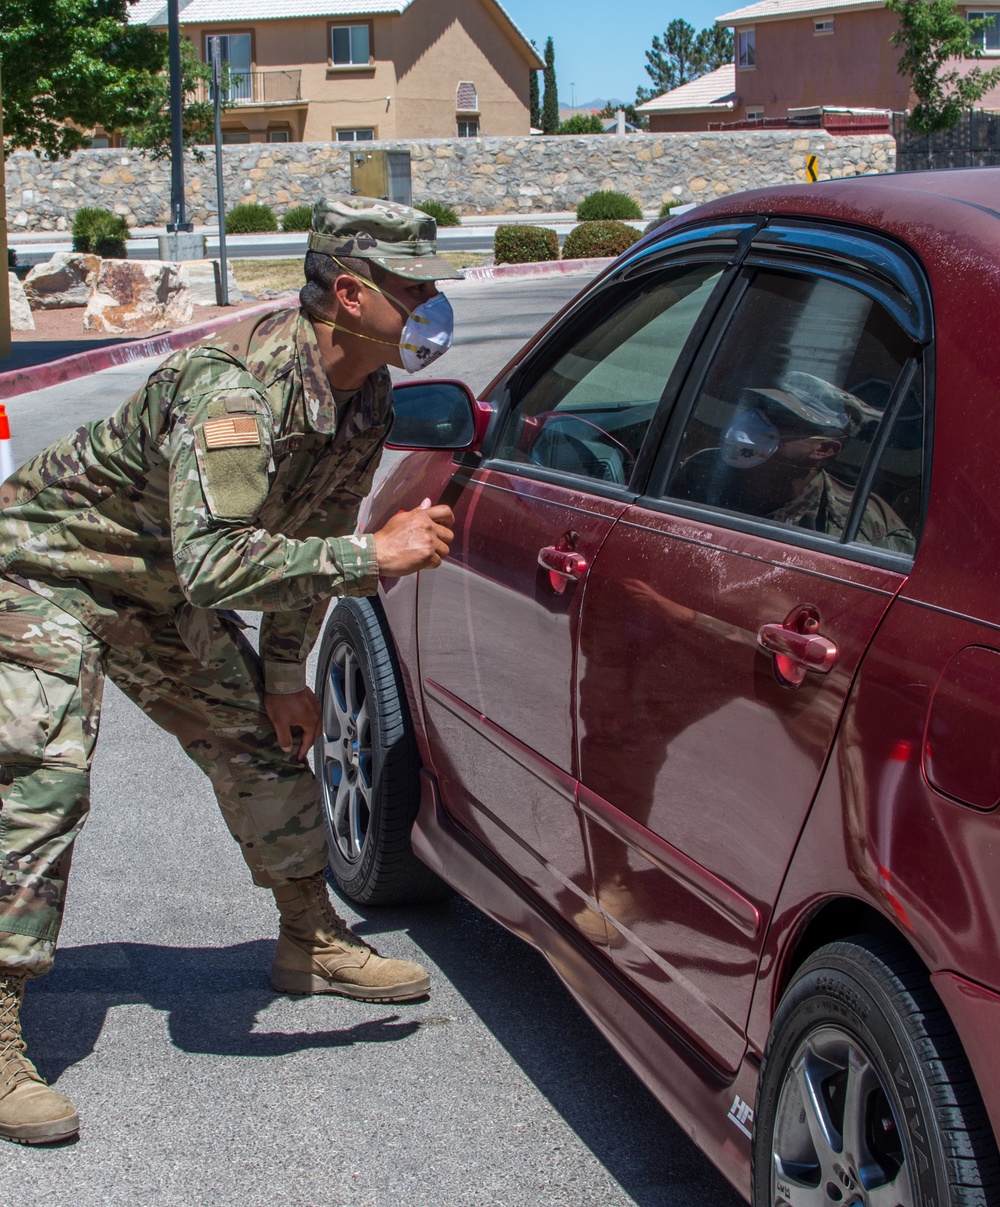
pixel 666 207
pixel 607 204
pixel 516 244
pixel 250 219
pixel 582 123
pixel 100 232
pixel 599 239
pixel 12 257
pixel 298 219
pixel 442 214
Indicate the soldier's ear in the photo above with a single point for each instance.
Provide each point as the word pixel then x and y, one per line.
pixel 347 293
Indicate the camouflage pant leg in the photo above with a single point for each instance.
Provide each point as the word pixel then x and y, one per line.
pixel 214 706
pixel 51 678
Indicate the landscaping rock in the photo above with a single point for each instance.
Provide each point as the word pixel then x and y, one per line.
pixel 20 311
pixel 68 279
pixel 139 295
pixel 203 277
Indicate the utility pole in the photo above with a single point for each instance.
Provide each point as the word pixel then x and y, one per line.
pixel 178 217
pixel 219 190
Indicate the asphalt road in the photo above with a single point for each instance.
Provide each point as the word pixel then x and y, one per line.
pixel 198 1085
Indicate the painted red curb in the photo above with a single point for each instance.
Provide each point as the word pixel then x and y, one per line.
pixel 80 364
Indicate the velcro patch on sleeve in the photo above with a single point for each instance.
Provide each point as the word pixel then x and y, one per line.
pixel 231 432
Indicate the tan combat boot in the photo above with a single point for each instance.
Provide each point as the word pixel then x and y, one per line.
pixel 318 954
pixel 30 1113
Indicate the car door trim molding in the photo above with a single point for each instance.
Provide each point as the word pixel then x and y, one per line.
pixel 512 747
pixel 703 884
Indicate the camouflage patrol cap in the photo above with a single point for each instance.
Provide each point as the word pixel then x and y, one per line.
pixel 401 239
pixel 804 400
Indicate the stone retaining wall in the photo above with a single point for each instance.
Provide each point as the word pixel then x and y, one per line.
pixel 475 175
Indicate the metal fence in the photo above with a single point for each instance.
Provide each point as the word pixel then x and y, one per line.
pixel 973 143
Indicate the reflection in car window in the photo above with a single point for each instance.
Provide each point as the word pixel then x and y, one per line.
pixel 589 412
pixel 791 407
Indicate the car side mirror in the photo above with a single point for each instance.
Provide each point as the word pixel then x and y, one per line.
pixel 437 414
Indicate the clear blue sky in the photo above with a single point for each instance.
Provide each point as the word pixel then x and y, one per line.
pixel 601 46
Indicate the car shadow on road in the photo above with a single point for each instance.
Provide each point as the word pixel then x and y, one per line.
pixel 211 996
pixel 528 1010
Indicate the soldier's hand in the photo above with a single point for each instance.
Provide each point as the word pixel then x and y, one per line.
pixel 414 540
pixel 299 711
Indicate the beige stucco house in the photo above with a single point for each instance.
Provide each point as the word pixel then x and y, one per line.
pixel 803 54
pixel 346 70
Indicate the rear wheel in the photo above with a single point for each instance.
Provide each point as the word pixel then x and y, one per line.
pixel 367 763
pixel 865 1097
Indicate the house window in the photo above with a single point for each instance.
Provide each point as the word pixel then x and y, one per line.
pixel 467 99
pixel 350 45
pixel 989 36
pixel 235 136
pixel 235 52
pixel 279 136
pixel 746 48
pixel 755 113
pixel 468 127
pixel 363 134
pixel 823 26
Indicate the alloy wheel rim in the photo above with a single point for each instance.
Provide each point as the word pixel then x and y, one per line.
pixel 346 772
pixel 836 1135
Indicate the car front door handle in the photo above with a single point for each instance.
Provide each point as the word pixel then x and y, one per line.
pixel 563 565
pixel 796 651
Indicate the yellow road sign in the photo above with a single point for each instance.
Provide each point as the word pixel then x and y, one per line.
pixel 812 168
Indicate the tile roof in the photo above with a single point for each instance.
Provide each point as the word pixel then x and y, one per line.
pixel 154 12
pixel 776 10
pixel 716 90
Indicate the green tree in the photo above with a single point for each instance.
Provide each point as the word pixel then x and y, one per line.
pixel 550 99
pixel 149 129
pixel 671 61
pixel 534 101
pixel 682 55
pixel 929 34
pixel 71 65
pixel 582 123
pixel 713 48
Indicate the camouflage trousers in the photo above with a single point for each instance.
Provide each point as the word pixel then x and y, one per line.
pixel 51 679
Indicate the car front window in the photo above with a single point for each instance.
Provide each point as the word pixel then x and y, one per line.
pixel 588 413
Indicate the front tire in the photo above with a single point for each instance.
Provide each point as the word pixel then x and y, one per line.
pixel 865 1097
pixel 367 762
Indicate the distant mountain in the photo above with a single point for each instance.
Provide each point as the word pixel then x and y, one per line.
pixel 597 104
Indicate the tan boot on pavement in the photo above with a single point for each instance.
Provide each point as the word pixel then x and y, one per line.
pixel 30 1113
pixel 317 953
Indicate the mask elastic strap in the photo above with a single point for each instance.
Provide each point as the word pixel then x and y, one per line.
pixel 347 331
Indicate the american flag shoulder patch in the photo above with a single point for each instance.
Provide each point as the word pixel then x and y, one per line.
pixel 231 432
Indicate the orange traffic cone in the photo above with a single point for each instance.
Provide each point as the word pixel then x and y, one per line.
pixel 6 459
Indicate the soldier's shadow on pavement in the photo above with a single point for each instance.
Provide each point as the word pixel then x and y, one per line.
pixel 211 996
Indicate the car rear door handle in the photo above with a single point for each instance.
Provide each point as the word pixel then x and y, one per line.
pixel 563 565
pixel 796 652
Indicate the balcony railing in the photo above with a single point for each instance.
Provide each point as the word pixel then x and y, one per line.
pixel 260 87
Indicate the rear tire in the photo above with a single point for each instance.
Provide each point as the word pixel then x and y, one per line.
pixel 367 762
pixel 865 1097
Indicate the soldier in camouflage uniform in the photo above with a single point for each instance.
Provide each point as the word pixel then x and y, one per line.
pixel 232 479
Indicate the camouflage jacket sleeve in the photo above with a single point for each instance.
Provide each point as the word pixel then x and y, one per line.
pixel 219 447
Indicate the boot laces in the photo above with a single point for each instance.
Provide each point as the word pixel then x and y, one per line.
pixel 338 927
pixel 14 1065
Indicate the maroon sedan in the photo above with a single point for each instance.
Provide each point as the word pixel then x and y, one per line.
pixel 705 703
